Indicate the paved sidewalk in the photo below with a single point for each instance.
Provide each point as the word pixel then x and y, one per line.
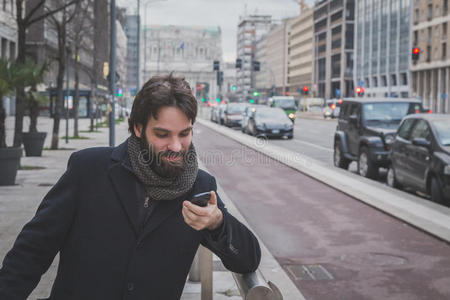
pixel 18 203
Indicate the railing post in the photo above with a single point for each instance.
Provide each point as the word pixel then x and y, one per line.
pixel 206 269
pixel 194 273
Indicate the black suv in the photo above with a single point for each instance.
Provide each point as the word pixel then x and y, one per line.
pixel 366 129
pixel 420 156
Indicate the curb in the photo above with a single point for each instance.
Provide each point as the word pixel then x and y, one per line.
pixel 425 215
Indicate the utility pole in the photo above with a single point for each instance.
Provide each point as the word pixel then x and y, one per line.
pixel 112 72
pixel 67 91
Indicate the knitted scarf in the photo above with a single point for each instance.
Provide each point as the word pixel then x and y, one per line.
pixel 158 187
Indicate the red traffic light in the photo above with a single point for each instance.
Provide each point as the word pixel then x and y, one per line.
pixel 358 90
pixel 416 50
pixel 305 88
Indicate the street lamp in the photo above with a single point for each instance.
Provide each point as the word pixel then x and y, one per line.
pixel 145 33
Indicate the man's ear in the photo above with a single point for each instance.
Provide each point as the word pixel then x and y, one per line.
pixel 138 130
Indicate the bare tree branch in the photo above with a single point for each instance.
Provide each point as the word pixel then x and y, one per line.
pixel 33 11
pixel 51 12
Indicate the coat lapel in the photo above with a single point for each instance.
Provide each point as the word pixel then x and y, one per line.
pixel 125 184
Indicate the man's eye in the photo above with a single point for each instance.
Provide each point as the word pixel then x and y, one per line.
pixel 161 135
pixel 184 134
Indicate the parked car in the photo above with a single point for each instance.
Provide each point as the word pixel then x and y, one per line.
pixel 213 116
pixel 219 114
pixel 366 129
pixel 287 103
pixel 267 121
pixel 233 114
pixel 332 108
pixel 420 156
pixel 248 111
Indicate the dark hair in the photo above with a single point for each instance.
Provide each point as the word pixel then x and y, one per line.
pixel 158 92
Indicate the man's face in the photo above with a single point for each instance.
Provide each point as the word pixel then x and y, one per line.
pixel 168 139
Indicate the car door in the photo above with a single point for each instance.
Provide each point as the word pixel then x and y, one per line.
pixel 418 158
pixel 353 131
pixel 398 151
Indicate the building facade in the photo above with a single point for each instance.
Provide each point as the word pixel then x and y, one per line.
pixel 300 62
pixel 333 48
pixel 250 29
pixel 382 48
pixel 132 53
pixel 430 73
pixel 188 50
pixel 8 42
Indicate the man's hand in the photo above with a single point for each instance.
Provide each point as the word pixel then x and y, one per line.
pixel 209 217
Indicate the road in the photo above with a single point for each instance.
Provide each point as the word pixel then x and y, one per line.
pixel 331 245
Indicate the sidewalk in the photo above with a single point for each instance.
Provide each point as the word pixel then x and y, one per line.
pixel 18 203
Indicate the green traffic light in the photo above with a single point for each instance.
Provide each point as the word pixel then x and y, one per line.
pixel 233 87
pixel 252 101
pixel 256 94
pixel 203 99
pixel 218 99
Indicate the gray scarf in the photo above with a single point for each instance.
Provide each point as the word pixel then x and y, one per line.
pixel 158 187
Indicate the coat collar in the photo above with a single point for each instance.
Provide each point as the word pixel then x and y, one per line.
pixel 127 185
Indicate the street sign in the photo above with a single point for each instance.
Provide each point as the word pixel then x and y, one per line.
pixel 444 96
pixel 338 92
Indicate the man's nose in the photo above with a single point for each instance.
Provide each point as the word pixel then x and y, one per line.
pixel 175 145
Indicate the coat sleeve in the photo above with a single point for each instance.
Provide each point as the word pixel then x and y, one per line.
pixel 40 240
pixel 233 242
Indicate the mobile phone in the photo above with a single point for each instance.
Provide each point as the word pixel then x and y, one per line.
pixel 201 199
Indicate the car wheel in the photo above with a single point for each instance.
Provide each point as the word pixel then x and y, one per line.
pixel 391 178
pixel 436 191
pixel 366 167
pixel 290 137
pixel 339 160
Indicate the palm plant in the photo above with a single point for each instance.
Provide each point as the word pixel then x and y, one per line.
pixel 6 88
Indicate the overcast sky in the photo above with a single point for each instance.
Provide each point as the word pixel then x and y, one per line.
pixel 223 13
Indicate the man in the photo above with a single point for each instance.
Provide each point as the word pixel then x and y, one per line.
pixel 119 217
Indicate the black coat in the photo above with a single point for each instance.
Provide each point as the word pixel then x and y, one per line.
pixel 90 217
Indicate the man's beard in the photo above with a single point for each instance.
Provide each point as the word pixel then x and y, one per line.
pixel 164 168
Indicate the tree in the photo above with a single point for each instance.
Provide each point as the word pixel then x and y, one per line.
pixel 80 33
pixel 60 25
pixel 24 20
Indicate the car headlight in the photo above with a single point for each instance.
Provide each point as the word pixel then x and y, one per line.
pixel 288 126
pixel 389 139
pixel 447 170
pixel 292 116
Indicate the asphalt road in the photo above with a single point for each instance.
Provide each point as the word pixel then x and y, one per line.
pixel 331 245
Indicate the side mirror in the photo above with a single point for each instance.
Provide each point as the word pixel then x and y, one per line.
pixel 421 142
pixel 353 119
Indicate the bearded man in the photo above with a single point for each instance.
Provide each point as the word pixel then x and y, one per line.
pixel 120 218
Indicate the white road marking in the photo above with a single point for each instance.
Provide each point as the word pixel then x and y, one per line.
pixel 314 145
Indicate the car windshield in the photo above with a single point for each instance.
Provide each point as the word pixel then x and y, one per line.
pixel 273 114
pixel 378 114
pixel 285 103
pixel 236 109
pixel 443 131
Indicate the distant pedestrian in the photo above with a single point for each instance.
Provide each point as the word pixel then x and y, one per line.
pixel 119 218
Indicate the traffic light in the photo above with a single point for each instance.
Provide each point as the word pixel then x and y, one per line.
pixel 219 78
pixel 359 91
pixel 256 66
pixel 203 99
pixel 252 101
pixel 305 90
pixel 216 65
pixel 233 88
pixel 218 100
pixel 238 63
pixel 255 94
pixel 415 54
pixel 119 92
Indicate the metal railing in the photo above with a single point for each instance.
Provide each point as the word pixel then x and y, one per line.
pixel 252 286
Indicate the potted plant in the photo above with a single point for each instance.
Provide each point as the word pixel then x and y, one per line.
pixel 33 141
pixel 9 156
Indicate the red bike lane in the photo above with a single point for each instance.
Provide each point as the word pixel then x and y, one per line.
pixel 331 245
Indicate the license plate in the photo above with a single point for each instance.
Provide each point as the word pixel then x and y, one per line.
pixel 275 131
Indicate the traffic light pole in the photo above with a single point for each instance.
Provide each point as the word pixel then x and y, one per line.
pixel 112 72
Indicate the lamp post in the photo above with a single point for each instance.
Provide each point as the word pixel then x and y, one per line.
pixel 112 72
pixel 67 90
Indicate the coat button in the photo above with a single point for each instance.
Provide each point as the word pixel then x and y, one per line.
pixel 130 286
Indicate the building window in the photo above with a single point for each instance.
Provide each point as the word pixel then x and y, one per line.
pixel 437 11
pixel 384 80
pixel 12 50
pixel 430 12
pixel 444 51
pixel 416 38
pixel 436 31
pixel 404 79
pixel 393 80
pixel 428 53
pixel 367 82
pixel 444 30
pixel 375 81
